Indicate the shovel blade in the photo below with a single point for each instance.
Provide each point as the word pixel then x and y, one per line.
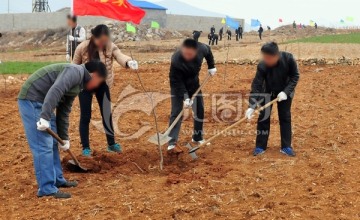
pixel 77 166
pixel 191 152
pixel 163 139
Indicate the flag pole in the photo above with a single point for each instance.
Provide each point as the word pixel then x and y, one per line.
pixel 72 8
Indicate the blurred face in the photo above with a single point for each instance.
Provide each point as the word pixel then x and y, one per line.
pixel 270 60
pixel 101 41
pixel 70 23
pixel 94 82
pixel 188 53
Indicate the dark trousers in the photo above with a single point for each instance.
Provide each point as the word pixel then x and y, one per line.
pixel 102 95
pixel 260 35
pixel 177 103
pixel 240 36
pixel 263 125
pixel 229 37
pixel 237 37
pixel 220 35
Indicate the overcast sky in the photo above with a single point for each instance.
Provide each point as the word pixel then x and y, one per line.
pixel 325 12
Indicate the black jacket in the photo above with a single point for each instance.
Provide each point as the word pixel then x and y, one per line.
pixel 283 77
pixel 184 76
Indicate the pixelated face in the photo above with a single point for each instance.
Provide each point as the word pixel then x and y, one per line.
pixel 101 41
pixel 95 81
pixel 270 60
pixel 70 23
pixel 188 54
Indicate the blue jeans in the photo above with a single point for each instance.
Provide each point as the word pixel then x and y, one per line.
pixel 43 147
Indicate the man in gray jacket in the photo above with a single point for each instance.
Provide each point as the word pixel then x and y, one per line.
pixel 53 87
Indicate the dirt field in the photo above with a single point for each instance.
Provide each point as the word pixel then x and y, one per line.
pixel 226 182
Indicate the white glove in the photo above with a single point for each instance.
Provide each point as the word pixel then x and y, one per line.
pixel 188 103
pixel 212 72
pixel 282 96
pixel 71 38
pixel 133 64
pixel 43 124
pixel 249 113
pixel 66 145
pixel 67 57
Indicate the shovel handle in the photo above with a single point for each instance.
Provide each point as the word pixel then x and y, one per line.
pixel 54 135
pixel 192 99
pixel 257 111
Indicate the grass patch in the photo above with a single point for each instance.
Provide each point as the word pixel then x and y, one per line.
pixel 353 38
pixel 14 67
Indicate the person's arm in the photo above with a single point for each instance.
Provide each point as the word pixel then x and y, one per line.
pixel 62 116
pixel 121 58
pixel 77 55
pixel 69 78
pixel 256 88
pixel 294 76
pixel 82 35
pixel 209 57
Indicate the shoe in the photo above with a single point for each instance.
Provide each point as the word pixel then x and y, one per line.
pixel 86 152
pixel 114 148
pixel 174 149
pixel 258 151
pixel 68 184
pixel 288 151
pixel 59 195
pixel 170 147
pixel 200 142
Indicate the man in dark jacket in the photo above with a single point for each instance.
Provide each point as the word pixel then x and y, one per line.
pixel 53 87
pixel 213 39
pixel 212 30
pixel 237 34
pixel 228 34
pixel 184 81
pixel 196 35
pixel 221 32
pixel 240 31
pixel 261 30
pixel 276 77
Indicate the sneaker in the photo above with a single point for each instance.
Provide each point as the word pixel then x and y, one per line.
pixel 86 152
pixel 59 195
pixel 114 148
pixel 174 149
pixel 258 151
pixel 200 142
pixel 68 184
pixel 288 151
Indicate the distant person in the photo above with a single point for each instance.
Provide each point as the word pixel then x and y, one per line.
pixel 261 30
pixel 240 31
pixel 221 32
pixel 303 26
pixel 196 35
pixel 0 34
pixel 269 28
pixel 237 34
pixel 294 25
pixel 213 39
pixel 276 77
pixel 77 34
pixel 300 26
pixel 228 32
pixel 316 26
pixel 212 30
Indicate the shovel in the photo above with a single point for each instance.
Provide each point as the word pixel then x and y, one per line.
pixel 164 138
pixel 257 111
pixel 74 160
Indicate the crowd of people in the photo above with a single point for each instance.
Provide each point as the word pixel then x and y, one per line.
pixel 45 100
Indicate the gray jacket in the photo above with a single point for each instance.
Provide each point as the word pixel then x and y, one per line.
pixel 56 86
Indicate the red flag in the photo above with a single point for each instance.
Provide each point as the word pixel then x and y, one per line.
pixel 116 9
pixel 280 20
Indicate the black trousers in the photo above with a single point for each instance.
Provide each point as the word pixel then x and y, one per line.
pixel 177 103
pixel 102 95
pixel 263 125
pixel 220 35
pixel 260 35
pixel 240 36
pixel 237 37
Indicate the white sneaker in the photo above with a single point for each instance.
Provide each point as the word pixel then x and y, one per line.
pixel 200 142
pixel 170 147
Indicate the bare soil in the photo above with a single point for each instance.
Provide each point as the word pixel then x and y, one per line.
pixel 226 182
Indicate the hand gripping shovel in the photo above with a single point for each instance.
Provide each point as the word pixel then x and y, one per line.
pixel 257 111
pixel 74 160
pixel 164 138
